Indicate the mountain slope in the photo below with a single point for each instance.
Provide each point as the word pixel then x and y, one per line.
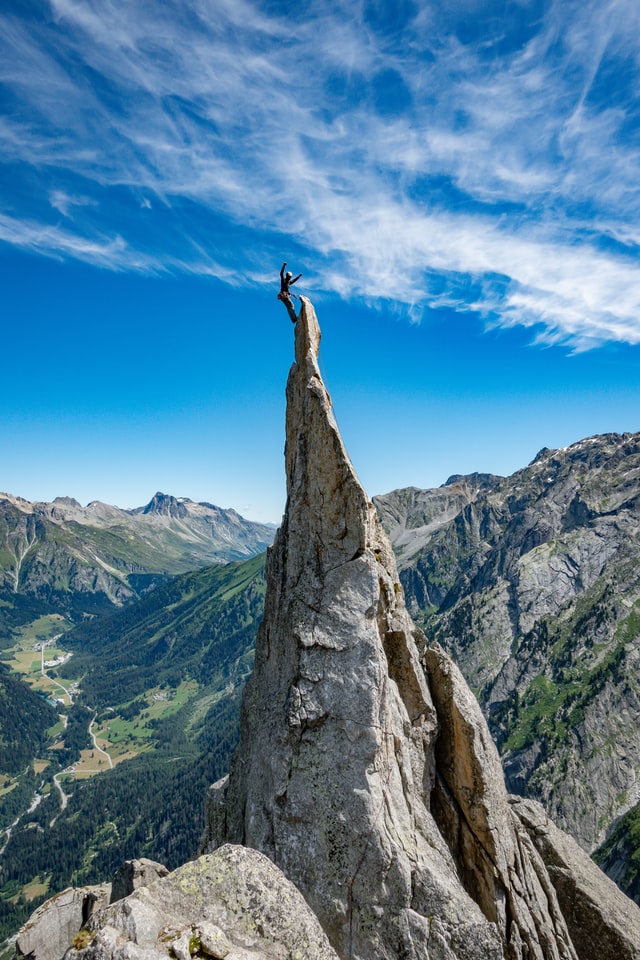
pixel 195 632
pixel 199 625
pixel 532 582
pixel 24 721
pixel 78 559
pixel 619 856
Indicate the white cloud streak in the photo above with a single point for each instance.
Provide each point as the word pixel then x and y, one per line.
pixel 493 171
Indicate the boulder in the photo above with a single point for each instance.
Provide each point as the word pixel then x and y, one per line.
pixel 133 874
pixel 51 928
pixel 232 904
pixel 601 919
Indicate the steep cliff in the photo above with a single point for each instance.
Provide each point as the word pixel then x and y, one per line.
pixel 368 776
pixel 532 583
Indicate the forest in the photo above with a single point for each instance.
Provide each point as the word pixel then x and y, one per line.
pixel 198 627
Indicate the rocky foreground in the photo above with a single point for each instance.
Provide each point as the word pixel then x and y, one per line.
pixel 365 773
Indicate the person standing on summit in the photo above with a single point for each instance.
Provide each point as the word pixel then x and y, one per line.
pixel 287 280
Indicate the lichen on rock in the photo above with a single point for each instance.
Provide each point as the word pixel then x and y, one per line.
pixel 232 904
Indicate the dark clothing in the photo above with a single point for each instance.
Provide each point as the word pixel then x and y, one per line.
pixel 286 282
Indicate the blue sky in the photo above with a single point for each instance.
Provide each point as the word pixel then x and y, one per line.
pixel 457 181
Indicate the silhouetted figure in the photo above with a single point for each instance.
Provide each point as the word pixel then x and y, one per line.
pixel 286 281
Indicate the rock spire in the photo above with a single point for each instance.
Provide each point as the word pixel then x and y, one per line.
pixel 337 719
pixel 365 771
pixel 365 768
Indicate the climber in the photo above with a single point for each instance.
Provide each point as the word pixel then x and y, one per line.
pixel 287 280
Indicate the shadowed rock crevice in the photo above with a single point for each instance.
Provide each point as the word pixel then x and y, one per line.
pixel 494 856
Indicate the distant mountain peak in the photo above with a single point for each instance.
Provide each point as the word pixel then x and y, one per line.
pixel 19 502
pixel 67 502
pixel 543 454
pixel 167 505
pixel 475 479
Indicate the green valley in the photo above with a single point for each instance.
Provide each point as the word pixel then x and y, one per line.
pixel 156 684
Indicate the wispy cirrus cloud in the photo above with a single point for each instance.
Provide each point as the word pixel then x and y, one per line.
pixel 484 161
pixel 110 252
pixel 65 202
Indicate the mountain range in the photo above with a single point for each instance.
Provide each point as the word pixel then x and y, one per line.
pixel 77 559
pixel 530 582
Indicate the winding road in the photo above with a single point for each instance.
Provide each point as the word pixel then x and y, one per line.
pixel 43 671
pixel 95 743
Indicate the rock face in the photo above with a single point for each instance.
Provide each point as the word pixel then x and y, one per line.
pixel 532 584
pixel 233 904
pixel 597 913
pixel 52 926
pixel 412 518
pixel 370 779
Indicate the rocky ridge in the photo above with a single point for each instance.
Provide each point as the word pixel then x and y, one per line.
pixel 370 777
pixel 532 583
pixel 62 548
pixel 234 904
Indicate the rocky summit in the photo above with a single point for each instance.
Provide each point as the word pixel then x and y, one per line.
pixel 365 768
pixel 365 777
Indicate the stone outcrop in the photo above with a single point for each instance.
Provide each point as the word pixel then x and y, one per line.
pixel 51 928
pixel 493 852
pixel 232 904
pixel 133 874
pixel 598 914
pixel 365 768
